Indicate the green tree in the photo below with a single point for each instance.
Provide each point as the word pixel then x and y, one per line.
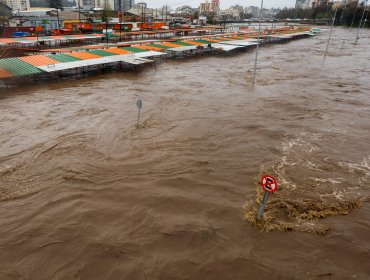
pixel 5 10
pixel 56 4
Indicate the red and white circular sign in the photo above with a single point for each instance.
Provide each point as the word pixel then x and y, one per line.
pixel 269 184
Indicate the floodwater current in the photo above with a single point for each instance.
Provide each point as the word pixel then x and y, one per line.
pixel 87 195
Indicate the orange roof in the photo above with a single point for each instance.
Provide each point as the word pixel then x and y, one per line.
pixel 194 43
pixel 212 40
pixel 170 45
pixel 4 74
pixel 92 47
pixel 7 41
pixel 116 51
pixel 56 50
pixel 38 60
pixel 224 39
pixel 31 38
pixel 84 55
pixel 150 48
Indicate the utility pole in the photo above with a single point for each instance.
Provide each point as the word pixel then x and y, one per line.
pixel 359 27
pixel 353 18
pixel 79 11
pixel 258 45
pixel 106 20
pixel 331 31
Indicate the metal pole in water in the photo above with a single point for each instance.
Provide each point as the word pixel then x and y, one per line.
pixel 139 105
pixel 258 45
pixel 365 19
pixel 342 44
pixel 359 27
pixel 331 30
pixel 353 18
pixel 263 204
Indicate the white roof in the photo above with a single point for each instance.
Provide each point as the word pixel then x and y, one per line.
pixel 181 49
pixel 225 47
pixel 148 54
pixel 243 43
pixel 127 58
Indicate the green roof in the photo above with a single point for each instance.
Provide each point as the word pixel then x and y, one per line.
pixel 17 67
pixel 203 41
pixel 101 53
pixel 63 57
pixel 160 46
pixel 131 49
pixel 182 43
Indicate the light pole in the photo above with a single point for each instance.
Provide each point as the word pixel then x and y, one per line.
pixel 106 20
pixel 331 31
pixel 359 27
pixel 258 43
pixel 79 11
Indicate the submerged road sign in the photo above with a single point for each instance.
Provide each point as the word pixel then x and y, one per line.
pixel 269 185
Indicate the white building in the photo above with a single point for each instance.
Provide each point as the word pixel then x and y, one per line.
pixel 252 10
pixel 17 5
pixel 304 4
pixel 230 13
pixel 97 4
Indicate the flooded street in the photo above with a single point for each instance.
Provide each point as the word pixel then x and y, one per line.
pixel 86 195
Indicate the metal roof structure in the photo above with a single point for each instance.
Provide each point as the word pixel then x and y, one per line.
pixel 35 40
pixel 133 54
pixel 127 58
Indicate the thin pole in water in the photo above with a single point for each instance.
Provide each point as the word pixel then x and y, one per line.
pixel 353 18
pixel 139 105
pixel 331 31
pixel 365 19
pixel 263 204
pixel 342 13
pixel 258 44
pixel 359 27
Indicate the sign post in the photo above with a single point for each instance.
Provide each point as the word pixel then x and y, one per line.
pixel 139 105
pixel 269 185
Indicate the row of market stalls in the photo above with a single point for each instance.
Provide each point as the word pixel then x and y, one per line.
pixel 72 61
pixel 78 39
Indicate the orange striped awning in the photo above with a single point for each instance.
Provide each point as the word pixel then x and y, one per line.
pixel 38 60
pixel 4 74
pixel 194 43
pixel 84 55
pixel 172 45
pixel 116 51
pixel 7 41
pixel 212 40
pixel 224 39
pixel 149 48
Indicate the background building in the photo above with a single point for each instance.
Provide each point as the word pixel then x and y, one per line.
pixel 123 5
pixel 252 10
pixel 209 7
pixel 17 5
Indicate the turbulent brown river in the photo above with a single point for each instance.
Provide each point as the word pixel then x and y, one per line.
pixel 87 195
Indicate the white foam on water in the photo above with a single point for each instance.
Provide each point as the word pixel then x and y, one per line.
pixel 362 168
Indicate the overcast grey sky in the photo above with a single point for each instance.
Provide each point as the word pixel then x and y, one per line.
pixel 224 3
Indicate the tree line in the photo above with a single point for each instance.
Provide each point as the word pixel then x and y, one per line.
pixel 349 15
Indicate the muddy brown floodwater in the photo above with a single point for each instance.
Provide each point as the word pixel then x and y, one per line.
pixel 86 195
